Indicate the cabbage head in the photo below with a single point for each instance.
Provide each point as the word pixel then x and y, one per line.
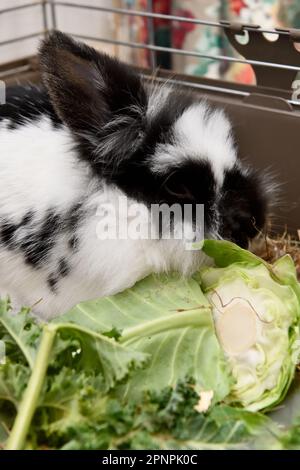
pixel 255 307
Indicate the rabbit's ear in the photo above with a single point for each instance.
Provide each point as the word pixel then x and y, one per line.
pixel 87 88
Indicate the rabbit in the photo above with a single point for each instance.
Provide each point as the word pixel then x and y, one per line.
pixel 95 133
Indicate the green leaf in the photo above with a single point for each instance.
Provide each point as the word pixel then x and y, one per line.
pixel 20 333
pixel 13 381
pixel 169 319
pixel 68 399
pixel 168 421
pixel 288 417
pixel 289 410
pixel 285 271
pixel 4 432
pixel 225 253
pixel 96 353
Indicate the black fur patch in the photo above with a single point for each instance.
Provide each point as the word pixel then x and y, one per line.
pixel 73 243
pixel 37 247
pixel 38 238
pixel 87 88
pixel 63 268
pixel 8 229
pixel 52 284
pixel 73 216
pixel 25 104
pixel 27 218
pixel 243 206
pixel 191 183
pixel 7 233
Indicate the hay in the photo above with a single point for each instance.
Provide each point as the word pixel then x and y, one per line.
pixel 271 248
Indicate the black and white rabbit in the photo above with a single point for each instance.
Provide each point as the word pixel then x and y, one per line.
pixel 94 133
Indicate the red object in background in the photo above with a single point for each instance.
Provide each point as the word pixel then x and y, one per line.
pixel 164 8
pixel 180 29
pixel 245 75
pixel 236 6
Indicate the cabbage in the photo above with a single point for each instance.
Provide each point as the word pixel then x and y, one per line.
pixel 231 329
pixel 256 313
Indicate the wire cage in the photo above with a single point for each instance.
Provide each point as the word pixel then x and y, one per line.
pixel 266 116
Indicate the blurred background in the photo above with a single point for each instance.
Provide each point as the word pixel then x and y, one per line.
pixel 21 29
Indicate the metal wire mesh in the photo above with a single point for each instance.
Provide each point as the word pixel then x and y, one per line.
pixel 150 16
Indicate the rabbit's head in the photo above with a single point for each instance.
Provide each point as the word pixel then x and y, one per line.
pixel 158 144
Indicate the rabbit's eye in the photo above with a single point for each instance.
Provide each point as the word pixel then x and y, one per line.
pixel 179 191
pixel 176 188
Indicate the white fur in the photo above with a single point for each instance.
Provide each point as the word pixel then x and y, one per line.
pixel 39 170
pixel 157 97
pixel 199 134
